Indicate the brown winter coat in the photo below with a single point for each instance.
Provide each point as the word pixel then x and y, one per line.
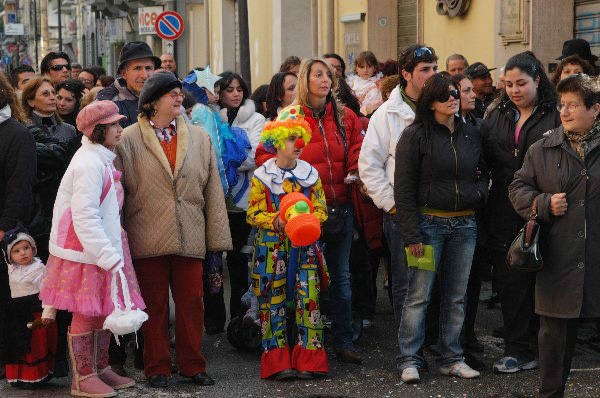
pixel 567 286
pixel 180 213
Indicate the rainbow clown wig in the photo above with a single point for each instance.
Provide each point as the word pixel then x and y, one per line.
pixel 290 121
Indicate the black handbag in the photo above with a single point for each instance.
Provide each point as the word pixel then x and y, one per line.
pixel 524 252
pixel 333 229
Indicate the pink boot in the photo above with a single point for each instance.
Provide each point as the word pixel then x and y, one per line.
pixel 105 373
pixel 85 381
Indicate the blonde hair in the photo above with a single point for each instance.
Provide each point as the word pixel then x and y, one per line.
pixel 90 96
pixel 301 95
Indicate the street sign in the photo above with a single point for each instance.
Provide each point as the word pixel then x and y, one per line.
pixel 6 60
pixel 14 29
pixel 147 19
pixel 169 25
pixel 169 47
pixel 26 60
pixel 11 48
pixel 11 16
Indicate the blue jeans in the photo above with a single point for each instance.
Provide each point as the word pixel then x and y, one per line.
pixel 454 238
pixel 337 255
pixel 398 267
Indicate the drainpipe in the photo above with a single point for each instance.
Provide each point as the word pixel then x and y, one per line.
pixel 207 32
pixel 330 30
pixel 60 43
pixel 37 39
pixel 314 23
pixel 244 41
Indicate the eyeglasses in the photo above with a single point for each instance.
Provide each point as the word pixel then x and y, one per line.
pixel 58 67
pixel 451 93
pixel 85 81
pixel 422 51
pixel 571 107
pixel 175 95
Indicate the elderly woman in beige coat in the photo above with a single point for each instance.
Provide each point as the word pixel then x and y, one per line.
pixel 174 214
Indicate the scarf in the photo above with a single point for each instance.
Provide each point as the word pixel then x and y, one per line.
pixel 584 142
pixel 5 114
pixel 166 134
pixel 409 101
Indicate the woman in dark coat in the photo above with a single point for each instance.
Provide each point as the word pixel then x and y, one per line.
pixel 17 176
pixel 53 140
pixel 526 110
pixel 561 173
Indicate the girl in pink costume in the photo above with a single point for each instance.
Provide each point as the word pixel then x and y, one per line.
pixel 365 82
pixel 87 249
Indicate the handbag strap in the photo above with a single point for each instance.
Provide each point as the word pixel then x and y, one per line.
pixel 124 288
pixel 533 215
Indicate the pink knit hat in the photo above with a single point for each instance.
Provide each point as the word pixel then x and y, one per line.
pixel 99 112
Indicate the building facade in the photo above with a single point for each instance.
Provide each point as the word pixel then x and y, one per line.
pixel 254 36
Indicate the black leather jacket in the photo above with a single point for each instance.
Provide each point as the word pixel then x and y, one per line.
pixel 437 169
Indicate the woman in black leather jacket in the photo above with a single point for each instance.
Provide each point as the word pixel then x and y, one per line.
pixel 54 139
pixel 436 191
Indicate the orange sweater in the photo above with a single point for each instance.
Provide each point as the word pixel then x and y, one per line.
pixel 170 149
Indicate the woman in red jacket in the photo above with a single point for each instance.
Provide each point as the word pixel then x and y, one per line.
pixel 333 150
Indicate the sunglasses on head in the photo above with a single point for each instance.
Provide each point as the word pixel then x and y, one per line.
pixel 422 51
pixel 58 67
pixel 451 93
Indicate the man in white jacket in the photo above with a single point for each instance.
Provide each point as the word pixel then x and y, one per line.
pixel 377 156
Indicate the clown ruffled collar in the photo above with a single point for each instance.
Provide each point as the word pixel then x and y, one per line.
pixel 273 177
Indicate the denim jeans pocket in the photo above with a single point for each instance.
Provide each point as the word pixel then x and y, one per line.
pixel 469 221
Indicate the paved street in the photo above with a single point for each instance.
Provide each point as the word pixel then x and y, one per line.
pixel 236 373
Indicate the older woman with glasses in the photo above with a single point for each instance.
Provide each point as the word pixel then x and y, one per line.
pixel 175 212
pixel 561 176
pixel 436 190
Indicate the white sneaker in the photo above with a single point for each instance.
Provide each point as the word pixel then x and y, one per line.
pixel 410 376
pixel 459 369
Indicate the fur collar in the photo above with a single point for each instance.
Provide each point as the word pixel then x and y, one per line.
pixel 247 109
pixel 152 143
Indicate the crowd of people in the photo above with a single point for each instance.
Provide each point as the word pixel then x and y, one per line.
pixel 118 192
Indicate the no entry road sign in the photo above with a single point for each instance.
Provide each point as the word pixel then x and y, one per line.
pixel 169 25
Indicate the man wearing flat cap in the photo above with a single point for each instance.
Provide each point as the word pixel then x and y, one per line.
pixel 482 86
pixel 136 64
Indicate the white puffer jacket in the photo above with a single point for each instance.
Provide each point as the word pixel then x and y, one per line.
pixel 377 160
pixel 252 123
pixel 86 226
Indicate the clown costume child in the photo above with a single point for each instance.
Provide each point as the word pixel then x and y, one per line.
pixel 274 252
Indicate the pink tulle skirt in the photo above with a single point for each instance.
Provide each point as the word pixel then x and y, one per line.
pixel 85 288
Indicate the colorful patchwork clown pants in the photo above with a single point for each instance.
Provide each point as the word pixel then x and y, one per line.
pixel 272 257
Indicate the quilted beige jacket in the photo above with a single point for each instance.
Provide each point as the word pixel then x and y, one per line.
pixel 180 213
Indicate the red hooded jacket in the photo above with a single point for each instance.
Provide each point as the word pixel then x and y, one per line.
pixel 325 151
